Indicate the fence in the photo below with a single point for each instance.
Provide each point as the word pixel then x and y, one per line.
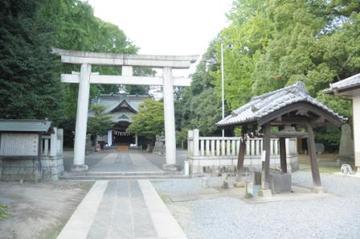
pixel 223 151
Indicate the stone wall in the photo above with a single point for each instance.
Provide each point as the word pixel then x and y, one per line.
pixel 31 169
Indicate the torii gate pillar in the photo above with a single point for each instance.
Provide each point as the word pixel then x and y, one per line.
pixel 169 117
pixel 81 118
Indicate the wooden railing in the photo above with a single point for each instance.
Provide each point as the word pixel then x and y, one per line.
pixel 226 146
pixel 223 151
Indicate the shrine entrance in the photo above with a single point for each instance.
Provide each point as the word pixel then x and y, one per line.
pixel 86 77
pixel 121 136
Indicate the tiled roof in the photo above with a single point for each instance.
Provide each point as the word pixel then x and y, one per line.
pixel 263 105
pixel 343 85
pixel 111 101
pixel 19 125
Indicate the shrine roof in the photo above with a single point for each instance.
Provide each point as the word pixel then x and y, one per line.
pixel 348 84
pixel 260 108
pixel 24 125
pixel 112 102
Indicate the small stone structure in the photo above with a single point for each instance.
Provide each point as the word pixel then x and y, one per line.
pixel 159 147
pixel 30 150
pixel 346 148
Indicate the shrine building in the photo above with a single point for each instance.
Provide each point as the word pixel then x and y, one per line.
pixel 122 108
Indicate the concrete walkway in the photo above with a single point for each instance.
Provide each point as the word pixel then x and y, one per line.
pixel 125 162
pixel 122 209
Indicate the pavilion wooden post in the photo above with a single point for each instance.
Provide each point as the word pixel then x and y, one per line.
pixel 312 154
pixel 266 148
pixel 283 163
pixel 241 158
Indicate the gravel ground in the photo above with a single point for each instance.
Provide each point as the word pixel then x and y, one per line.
pixel 334 216
pixel 39 210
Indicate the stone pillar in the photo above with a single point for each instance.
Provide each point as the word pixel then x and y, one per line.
pixel 190 143
pixel 356 127
pixel 291 148
pixel 136 140
pixel 169 116
pixel 81 118
pixel 196 142
pixel 53 143
pixel 109 137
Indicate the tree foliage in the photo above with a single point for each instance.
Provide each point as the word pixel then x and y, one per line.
pixel 149 121
pixel 74 27
pixel 198 105
pixel 29 85
pixel 275 43
pixel 99 123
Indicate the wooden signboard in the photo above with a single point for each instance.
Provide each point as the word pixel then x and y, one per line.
pixel 19 144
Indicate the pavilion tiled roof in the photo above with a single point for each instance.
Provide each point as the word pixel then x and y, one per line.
pixel 263 105
pixel 343 85
pixel 24 125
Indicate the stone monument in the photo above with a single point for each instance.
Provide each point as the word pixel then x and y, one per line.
pixel 346 148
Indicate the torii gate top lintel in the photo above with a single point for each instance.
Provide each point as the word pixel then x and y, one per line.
pixel 155 61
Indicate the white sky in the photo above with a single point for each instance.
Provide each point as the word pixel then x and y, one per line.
pixel 166 27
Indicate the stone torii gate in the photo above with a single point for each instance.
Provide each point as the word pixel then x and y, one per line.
pixel 86 77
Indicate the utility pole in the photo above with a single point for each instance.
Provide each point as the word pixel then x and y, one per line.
pixel 222 86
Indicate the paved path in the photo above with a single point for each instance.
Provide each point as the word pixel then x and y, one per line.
pixel 122 209
pixel 125 162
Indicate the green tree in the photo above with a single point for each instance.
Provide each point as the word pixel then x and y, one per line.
pixel 198 106
pixel 149 121
pixel 276 43
pixel 100 122
pixel 74 27
pixel 29 87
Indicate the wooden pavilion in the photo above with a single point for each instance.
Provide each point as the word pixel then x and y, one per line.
pixel 289 112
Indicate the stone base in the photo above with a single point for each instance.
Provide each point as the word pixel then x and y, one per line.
pixel 266 193
pixel 357 171
pixel 31 168
pixel 240 183
pixel 79 168
pixel 318 189
pixel 170 167
pixel 280 182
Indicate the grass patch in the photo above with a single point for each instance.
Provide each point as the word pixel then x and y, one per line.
pixel 3 212
pixel 322 169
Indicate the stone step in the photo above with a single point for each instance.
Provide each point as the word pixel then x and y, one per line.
pixel 127 173
pixel 115 177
